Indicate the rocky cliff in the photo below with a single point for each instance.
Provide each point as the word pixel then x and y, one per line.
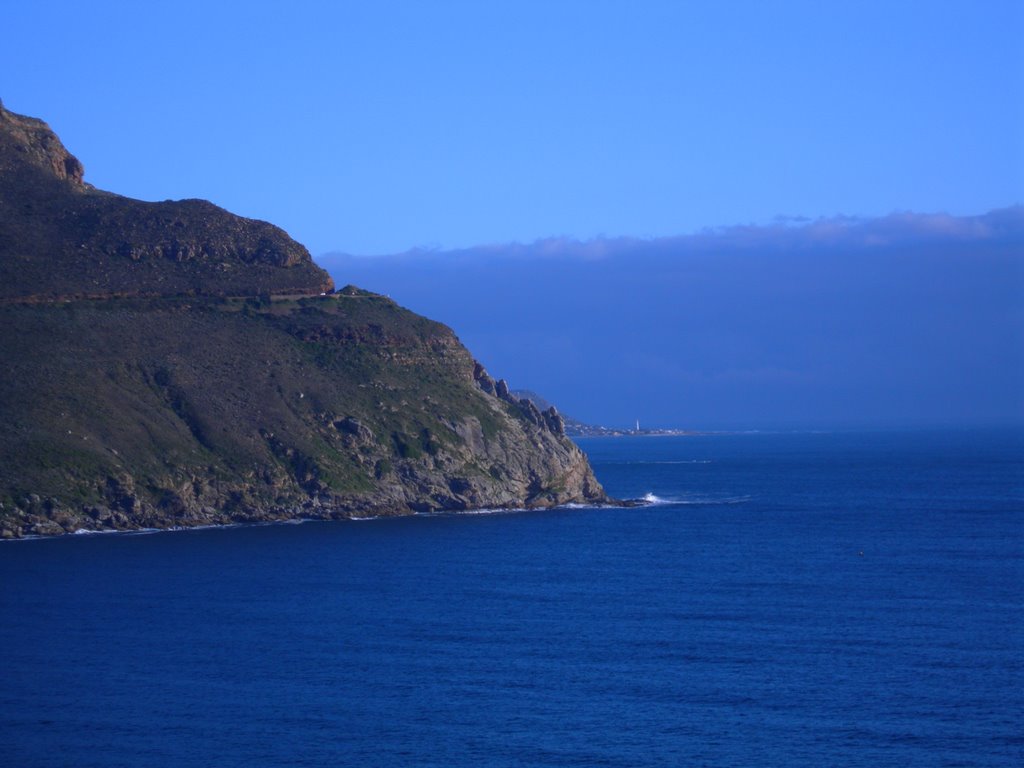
pixel 171 364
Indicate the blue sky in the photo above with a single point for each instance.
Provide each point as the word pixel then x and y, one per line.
pixel 378 127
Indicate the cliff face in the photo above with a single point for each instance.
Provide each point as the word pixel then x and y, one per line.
pixel 170 364
pixel 28 146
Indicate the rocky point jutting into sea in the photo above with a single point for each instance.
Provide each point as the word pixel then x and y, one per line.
pixel 171 364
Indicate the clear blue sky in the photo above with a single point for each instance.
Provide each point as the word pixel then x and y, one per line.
pixel 377 127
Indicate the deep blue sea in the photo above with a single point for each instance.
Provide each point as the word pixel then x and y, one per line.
pixel 834 599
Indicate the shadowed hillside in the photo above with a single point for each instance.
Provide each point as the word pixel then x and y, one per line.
pixel 60 238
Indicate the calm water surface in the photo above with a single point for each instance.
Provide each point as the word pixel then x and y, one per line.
pixel 792 599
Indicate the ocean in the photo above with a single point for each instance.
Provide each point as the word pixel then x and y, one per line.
pixel 789 599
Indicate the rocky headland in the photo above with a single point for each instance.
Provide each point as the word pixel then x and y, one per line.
pixel 171 365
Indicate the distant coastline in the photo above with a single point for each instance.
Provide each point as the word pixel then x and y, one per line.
pixel 589 430
pixel 577 428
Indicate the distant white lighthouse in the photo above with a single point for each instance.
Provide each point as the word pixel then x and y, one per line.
pixel 637 426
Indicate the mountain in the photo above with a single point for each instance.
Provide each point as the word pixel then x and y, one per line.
pixel 171 364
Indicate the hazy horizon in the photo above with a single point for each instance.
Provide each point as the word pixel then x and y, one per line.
pixel 903 321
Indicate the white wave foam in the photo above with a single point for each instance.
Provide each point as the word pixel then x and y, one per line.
pixel 653 499
pixel 90 532
pixel 490 511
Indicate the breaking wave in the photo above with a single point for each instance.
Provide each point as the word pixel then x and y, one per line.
pixel 653 499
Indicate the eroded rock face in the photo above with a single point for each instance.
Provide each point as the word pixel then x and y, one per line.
pixel 483 379
pixel 28 141
pixel 170 364
pixel 554 420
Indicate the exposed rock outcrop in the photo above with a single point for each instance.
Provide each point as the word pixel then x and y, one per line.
pixel 483 379
pixel 29 142
pixel 549 419
pixel 554 420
